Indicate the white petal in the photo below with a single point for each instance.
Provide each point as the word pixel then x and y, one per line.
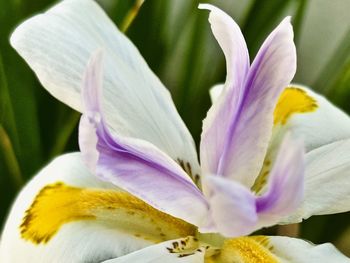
pixel 163 253
pixel 308 116
pixel 65 214
pixel 319 126
pixel 327 182
pixel 325 130
pixel 57 46
pixel 299 251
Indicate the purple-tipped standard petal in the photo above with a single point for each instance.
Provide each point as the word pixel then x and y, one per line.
pixel 286 183
pixel 231 40
pixel 236 211
pixel 132 164
pixel 238 126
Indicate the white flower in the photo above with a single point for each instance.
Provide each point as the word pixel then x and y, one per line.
pixel 132 137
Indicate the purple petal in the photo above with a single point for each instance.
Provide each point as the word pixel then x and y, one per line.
pixel 135 165
pixel 238 127
pixel 236 211
pixel 232 207
pixel 231 40
pixel 286 183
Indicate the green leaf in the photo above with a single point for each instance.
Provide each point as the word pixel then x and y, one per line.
pixel 298 19
pixel 339 92
pixel 6 109
pixel 262 17
pixel 326 82
pixel 10 158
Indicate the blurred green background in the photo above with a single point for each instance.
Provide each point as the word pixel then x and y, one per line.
pixel 175 38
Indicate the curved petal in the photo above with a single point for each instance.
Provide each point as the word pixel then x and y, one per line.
pixel 327 182
pixel 236 131
pixel 135 165
pixel 308 116
pixel 57 46
pixel 311 117
pixel 276 249
pixel 300 251
pixel 285 184
pixel 184 250
pixel 231 40
pixel 64 210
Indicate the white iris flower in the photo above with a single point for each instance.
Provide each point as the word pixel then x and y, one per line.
pixel 136 191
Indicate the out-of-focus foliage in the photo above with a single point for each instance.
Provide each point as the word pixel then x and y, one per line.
pixel 175 39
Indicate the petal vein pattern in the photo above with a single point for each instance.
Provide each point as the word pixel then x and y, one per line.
pixel 238 126
pixel 286 183
pixel 133 164
pixel 57 46
pixel 236 211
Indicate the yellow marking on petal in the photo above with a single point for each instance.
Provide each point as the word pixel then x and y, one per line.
pixel 186 166
pixel 293 100
pixel 58 204
pixel 185 247
pixel 190 246
pixel 261 180
pixel 255 249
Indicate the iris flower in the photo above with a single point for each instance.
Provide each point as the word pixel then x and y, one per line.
pixel 136 192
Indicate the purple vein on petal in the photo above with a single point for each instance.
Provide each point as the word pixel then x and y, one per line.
pixel 286 181
pixel 236 211
pixel 238 126
pixel 216 124
pixel 253 89
pixel 135 165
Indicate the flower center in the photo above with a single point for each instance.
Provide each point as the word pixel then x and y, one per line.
pixel 255 249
